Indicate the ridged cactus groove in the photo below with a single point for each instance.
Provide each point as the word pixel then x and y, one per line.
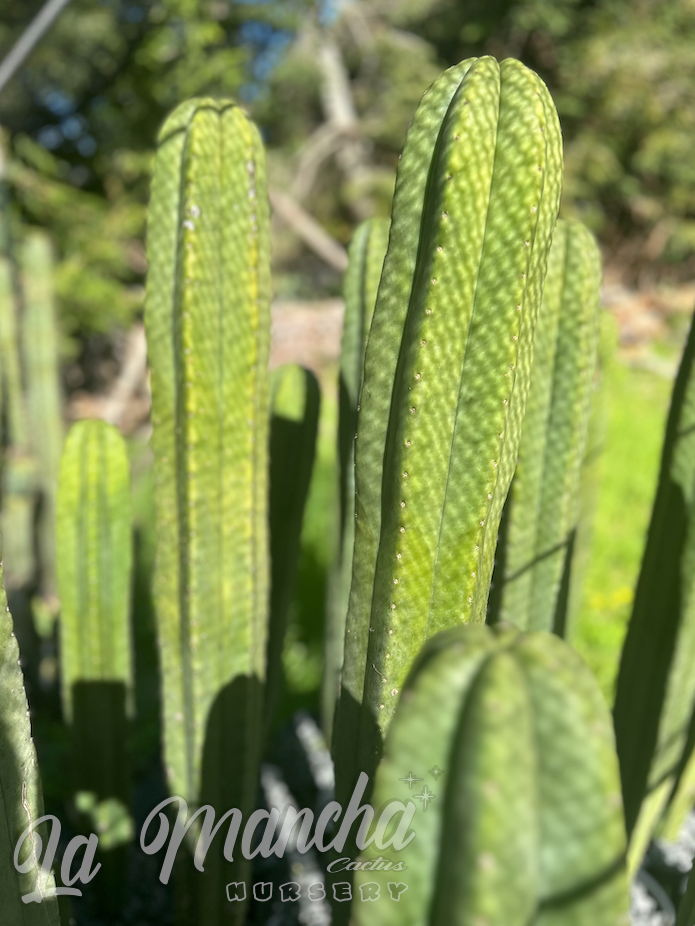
pixel 543 508
pixel 208 330
pixel 294 409
pixel 365 262
pixel 39 339
pixel 446 375
pixel 512 740
pixel 20 787
pixel 655 694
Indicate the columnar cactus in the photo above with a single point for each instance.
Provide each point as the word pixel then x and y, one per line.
pixel 19 468
pixel 94 561
pixel 365 262
pixel 543 509
pixel 294 403
pixel 22 800
pixel 655 695
pixel 446 376
pixel 39 339
pixel 510 745
pixel 208 332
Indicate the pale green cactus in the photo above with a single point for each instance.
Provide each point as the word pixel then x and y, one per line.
pixel 446 375
pixel 208 331
pixel 543 509
pixel 39 340
pixel 521 821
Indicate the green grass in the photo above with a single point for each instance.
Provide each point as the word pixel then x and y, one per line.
pixel 637 407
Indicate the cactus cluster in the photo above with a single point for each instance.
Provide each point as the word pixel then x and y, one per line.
pixel 468 436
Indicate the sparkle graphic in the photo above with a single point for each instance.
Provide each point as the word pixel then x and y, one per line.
pixel 436 772
pixel 425 796
pixel 410 779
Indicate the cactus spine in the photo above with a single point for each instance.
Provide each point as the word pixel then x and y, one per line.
pixel 655 694
pixel 20 786
pixel 295 400
pixel 544 503
pixel 208 330
pixel 365 262
pixel 525 825
pixel 446 375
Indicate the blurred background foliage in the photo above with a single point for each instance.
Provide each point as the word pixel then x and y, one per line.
pixel 333 85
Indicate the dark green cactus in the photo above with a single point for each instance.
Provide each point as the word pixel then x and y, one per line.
pixel 208 331
pixel 294 403
pixel 655 694
pixel 20 787
pixel 365 262
pixel 446 376
pixel 543 508
pixel 510 736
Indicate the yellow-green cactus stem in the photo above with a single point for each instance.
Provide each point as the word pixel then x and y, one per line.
pixel 446 376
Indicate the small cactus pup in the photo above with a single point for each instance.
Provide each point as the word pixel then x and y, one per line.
pixel 655 695
pixel 365 261
pixel 94 577
pixel 294 418
pixel 22 799
pixel 543 508
pixel 207 319
pixel 446 375
pixel 504 744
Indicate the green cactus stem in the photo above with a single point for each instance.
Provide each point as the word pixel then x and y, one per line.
pixel 294 402
pixel 19 469
pixel 655 694
pixel 365 262
pixel 519 815
pixel 208 331
pixel 39 339
pixel 543 510
pixel 446 376
pixel 20 786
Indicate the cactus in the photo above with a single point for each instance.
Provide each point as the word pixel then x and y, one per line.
pixel 655 694
pixel 365 262
pixel 525 822
pixel 294 405
pixel 446 375
pixel 208 329
pixel 543 508
pixel 19 469
pixel 39 338
pixel 20 786
pixel 93 570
